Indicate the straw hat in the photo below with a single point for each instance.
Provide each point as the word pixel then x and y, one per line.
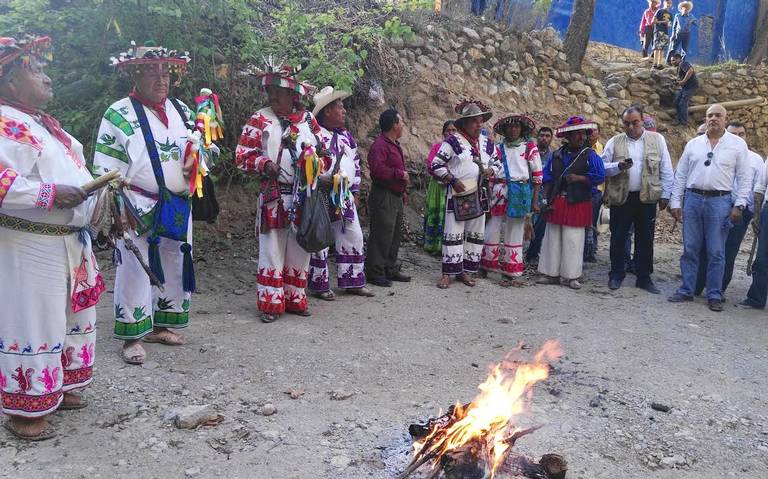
pixel 682 5
pixel 28 47
pixel 137 57
pixel 471 109
pixel 326 96
pixel 527 124
pixel 575 123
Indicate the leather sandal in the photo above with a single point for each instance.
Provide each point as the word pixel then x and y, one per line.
pixel 362 291
pixel 325 295
pixel 134 354
pixel 81 404
pixel 47 433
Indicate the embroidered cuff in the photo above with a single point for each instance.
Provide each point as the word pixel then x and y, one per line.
pixel 45 196
pixel 7 177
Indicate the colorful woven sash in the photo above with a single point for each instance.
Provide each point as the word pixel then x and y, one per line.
pixel 18 224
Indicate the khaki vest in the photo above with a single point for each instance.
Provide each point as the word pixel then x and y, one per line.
pixel 617 187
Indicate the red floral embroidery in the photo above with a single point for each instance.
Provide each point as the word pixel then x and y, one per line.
pixel 7 177
pixel 88 297
pixel 18 131
pixel 31 404
pixel 77 376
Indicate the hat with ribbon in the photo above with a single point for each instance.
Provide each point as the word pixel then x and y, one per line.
pixel 138 57
pixel 281 75
pixel 13 50
pixel 326 96
pixel 575 123
pixel 472 108
pixel 526 123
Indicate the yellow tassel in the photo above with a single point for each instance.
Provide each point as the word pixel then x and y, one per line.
pixel 207 123
pixel 199 185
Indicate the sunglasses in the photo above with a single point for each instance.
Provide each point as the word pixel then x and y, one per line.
pixel 709 159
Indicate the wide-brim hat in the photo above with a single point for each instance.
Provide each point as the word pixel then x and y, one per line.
pixel 137 57
pixel 12 49
pixel 471 109
pixel 527 123
pixel 575 123
pixel 326 96
pixel 682 5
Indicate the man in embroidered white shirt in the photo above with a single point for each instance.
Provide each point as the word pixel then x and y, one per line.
pixel 639 176
pixel 705 178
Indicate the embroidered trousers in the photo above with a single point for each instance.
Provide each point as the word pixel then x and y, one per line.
pixel 506 256
pixel 283 265
pixel 46 349
pixel 350 258
pixel 562 251
pixel 462 244
pixel 139 306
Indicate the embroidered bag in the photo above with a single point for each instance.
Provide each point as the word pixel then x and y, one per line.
pixel 473 204
pixel 205 208
pixel 518 193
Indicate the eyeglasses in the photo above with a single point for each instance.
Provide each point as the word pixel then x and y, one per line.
pixel 710 155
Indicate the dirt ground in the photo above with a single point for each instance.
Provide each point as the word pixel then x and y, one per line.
pixel 370 367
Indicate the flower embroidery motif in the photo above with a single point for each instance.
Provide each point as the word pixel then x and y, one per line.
pixel 19 132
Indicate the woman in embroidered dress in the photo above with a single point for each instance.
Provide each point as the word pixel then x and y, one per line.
pixel 50 282
pixel 512 197
pixel 434 209
pixel 463 163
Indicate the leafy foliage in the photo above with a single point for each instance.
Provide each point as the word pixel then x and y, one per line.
pixel 332 40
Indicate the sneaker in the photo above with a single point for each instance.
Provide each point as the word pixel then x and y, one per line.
pixel 572 283
pixel 650 287
pixel 715 305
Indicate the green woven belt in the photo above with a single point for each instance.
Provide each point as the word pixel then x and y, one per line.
pixel 19 224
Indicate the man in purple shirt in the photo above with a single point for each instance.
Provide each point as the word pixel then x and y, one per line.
pixel 389 180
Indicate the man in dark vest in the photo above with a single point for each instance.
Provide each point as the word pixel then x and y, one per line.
pixel 639 176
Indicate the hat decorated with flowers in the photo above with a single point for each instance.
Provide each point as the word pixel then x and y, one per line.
pixel 575 123
pixel 138 57
pixel 526 123
pixel 472 108
pixel 13 50
pixel 276 73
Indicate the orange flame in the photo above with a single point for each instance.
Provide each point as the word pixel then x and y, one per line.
pixel 490 416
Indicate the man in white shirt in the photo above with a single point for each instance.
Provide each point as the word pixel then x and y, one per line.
pixel 705 176
pixel 639 176
pixel 736 235
pixel 758 291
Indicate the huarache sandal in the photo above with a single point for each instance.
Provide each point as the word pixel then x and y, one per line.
pixel 134 354
pixel 361 292
pixel 164 337
pixel 445 282
pixel 304 313
pixel 468 280
pixel 268 318
pixel 325 295
pixel 80 403
pixel 47 433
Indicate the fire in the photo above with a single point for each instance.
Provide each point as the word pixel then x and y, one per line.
pixel 490 417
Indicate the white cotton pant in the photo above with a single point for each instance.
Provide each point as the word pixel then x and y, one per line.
pixel 46 349
pixel 462 244
pixel 139 306
pixel 506 257
pixel 562 251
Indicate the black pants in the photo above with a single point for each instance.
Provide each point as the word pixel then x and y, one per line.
pixel 644 218
pixel 386 214
pixel 647 40
pixel 539 228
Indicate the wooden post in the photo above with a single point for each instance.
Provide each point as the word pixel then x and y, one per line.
pixel 733 104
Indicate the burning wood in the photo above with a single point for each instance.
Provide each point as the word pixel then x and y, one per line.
pixel 475 440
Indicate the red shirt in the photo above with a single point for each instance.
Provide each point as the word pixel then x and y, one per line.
pixel 387 164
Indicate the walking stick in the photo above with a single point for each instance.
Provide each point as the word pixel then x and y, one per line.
pixel 752 255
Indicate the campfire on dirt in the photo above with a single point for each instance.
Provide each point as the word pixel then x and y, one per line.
pixel 475 440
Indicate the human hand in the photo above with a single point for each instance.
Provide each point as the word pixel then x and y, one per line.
pixel 663 203
pixel 488 173
pixel 756 225
pixel 625 164
pixel 459 187
pixel 271 169
pixel 677 214
pixel 736 215
pixel 68 196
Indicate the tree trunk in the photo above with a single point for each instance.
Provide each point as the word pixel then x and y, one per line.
pixel 759 51
pixel 579 30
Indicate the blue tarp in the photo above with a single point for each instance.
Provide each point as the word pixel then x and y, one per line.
pixel 724 32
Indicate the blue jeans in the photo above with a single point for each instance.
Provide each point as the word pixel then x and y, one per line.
pixel 478 7
pixel 590 237
pixel 758 292
pixel 682 99
pixel 706 223
pixel 732 246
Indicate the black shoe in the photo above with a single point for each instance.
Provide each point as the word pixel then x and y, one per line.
pixel 747 303
pixel 715 305
pixel 614 283
pixel 650 287
pixel 679 298
pixel 399 277
pixel 381 282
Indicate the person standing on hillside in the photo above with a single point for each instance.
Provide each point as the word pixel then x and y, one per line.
pixel 389 183
pixel 144 136
pixel 758 290
pixel 344 174
pixel 590 233
pixel 688 83
pixel 646 27
pixel 465 161
pixel 569 177
pixel 708 169
pixel 544 145
pixel 434 209
pixel 639 176
pixel 50 283
pixel 681 30
pixel 662 21
pixel 272 141
pixel 739 230
pixel 513 196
